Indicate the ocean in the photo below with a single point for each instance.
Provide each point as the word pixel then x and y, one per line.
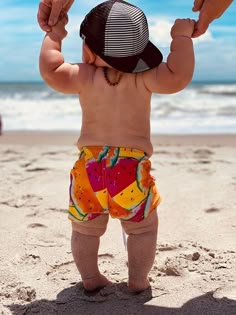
pixel 203 107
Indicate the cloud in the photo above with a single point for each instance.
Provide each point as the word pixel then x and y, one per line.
pixel 21 40
pixel 159 29
pixel 216 59
pixel 74 24
pixel 215 51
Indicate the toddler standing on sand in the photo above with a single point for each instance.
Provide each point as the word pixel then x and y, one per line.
pixel 121 69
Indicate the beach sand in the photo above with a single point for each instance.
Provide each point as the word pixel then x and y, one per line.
pixel 195 266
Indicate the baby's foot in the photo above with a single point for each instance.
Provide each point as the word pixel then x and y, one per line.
pixel 95 283
pixel 137 286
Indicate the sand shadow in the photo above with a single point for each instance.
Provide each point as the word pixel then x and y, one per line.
pixel 116 300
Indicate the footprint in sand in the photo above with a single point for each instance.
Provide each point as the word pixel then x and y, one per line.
pixel 29 163
pixel 234 181
pixel 32 214
pixel 38 169
pixel 26 294
pixel 9 156
pixel 23 201
pixel 9 151
pixel 212 210
pixel 56 153
pixel 203 156
pixel 106 255
pixel 22 293
pixel 58 210
pixel 194 258
pixel 105 259
pixel 62 271
pixel 171 267
pixel 168 247
pixel 27 259
pixel 36 225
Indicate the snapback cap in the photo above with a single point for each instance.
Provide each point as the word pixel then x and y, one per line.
pixel 117 31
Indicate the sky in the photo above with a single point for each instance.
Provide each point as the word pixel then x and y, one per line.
pixel 21 37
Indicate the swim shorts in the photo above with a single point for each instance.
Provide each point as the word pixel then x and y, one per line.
pixel 112 180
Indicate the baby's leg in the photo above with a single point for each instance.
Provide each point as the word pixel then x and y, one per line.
pixel 85 244
pixel 142 237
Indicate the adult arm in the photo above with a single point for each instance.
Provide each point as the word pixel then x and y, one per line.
pixel 209 10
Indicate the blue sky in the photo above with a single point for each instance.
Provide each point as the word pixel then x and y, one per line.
pixel 21 37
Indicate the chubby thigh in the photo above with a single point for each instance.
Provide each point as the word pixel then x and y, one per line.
pixel 115 181
pixel 95 227
pixel 98 226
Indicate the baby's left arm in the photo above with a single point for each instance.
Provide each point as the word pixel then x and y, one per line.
pixel 61 76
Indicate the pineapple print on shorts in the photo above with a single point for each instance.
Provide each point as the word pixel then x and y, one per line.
pixel 112 180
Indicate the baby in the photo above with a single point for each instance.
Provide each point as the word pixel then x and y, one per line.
pixel 121 69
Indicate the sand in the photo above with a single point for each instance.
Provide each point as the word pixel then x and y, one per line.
pixel 195 266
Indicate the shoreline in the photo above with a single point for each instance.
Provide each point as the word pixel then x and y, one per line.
pixel 70 138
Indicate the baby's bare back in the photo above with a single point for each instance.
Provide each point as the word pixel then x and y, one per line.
pixel 116 115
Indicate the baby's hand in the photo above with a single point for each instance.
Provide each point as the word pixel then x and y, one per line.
pixel 59 30
pixel 183 27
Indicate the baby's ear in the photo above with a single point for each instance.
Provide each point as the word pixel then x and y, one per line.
pixel 88 55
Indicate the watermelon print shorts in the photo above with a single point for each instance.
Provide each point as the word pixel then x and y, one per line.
pixel 112 180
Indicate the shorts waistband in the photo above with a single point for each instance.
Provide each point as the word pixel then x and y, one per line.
pixel 100 152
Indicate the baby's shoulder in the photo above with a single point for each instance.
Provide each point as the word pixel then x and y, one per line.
pixel 85 75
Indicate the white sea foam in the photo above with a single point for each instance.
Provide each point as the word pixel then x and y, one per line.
pixel 200 108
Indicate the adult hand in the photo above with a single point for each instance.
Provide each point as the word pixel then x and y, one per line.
pixel 49 12
pixel 58 31
pixel 209 10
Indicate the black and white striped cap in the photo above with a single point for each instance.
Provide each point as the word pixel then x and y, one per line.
pixel 117 31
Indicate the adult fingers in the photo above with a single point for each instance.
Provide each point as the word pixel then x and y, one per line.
pixel 56 10
pixel 65 19
pixel 68 5
pixel 201 27
pixel 197 5
pixel 42 16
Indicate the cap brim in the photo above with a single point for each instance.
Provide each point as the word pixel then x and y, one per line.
pixel 150 58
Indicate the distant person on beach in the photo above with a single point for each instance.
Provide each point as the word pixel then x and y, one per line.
pixel 115 82
pixel 209 10
pixel 0 125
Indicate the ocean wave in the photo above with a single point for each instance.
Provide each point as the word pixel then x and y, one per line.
pixel 195 109
pixel 221 89
pixel 16 91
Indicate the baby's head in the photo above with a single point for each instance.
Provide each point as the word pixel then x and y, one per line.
pixel 117 32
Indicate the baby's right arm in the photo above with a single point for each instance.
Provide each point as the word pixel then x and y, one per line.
pixel 175 74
